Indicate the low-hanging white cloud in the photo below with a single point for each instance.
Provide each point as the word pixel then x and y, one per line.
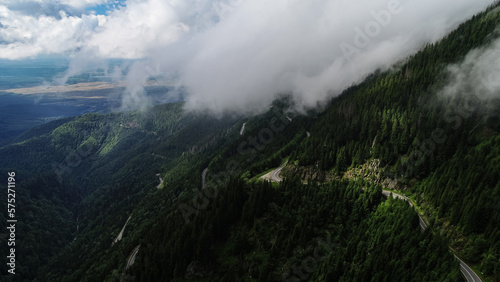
pixel 477 78
pixel 262 49
pixel 132 31
pixel 238 54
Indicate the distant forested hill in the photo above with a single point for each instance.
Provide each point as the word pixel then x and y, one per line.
pixel 84 175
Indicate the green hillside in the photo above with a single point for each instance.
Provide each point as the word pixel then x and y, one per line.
pixel 212 219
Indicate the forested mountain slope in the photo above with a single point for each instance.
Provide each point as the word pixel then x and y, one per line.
pixel 84 177
pixel 88 174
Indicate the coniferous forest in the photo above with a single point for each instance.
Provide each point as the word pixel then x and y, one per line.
pixel 212 218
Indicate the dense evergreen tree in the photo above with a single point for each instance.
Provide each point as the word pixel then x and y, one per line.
pixel 83 177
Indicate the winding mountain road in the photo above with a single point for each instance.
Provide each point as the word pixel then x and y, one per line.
pixel 131 258
pixel 423 225
pixel 203 176
pixel 161 181
pixel 274 175
pixel 467 272
pixel 120 235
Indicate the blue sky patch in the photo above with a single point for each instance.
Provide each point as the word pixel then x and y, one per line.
pixel 104 9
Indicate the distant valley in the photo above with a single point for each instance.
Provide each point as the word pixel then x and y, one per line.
pixel 29 96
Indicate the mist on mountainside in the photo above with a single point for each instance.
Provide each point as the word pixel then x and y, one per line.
pixel 312 50
pixel 235 55
pixel 478 74
pixel 165 194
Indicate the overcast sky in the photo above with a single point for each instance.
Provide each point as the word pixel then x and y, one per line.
pixel 232 54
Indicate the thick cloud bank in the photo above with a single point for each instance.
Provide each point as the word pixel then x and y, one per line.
pixel 474 84
pixel 238 54
pixel 478 74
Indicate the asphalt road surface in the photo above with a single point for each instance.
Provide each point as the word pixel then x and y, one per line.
pixel 203 176
pixel 131 258
pixel 467 272
pixel 274 176
pixel 242 128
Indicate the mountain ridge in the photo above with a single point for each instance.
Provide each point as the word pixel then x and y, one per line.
pixel 100 170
